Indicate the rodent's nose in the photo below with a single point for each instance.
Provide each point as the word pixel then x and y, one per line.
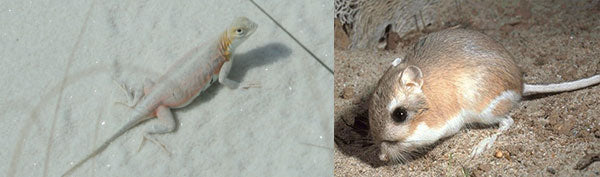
pixel 385 144
pixel 383 157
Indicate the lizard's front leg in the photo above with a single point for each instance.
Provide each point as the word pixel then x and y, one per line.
pixel 133 96
pixel 223 76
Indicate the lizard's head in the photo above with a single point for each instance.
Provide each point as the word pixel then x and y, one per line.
pixel 240 30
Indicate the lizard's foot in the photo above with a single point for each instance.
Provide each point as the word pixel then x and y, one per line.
pixel 252 85
pixel 231 84
pixel 128 105
pixel 153 140
pixel 166 124
pixel 133 97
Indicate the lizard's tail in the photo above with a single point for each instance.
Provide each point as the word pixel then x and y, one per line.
pixel 138 118
pixel 529 89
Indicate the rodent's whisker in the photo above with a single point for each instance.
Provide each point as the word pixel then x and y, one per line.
pixel 423 140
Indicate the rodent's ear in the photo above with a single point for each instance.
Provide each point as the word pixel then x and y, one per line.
pixel 412 77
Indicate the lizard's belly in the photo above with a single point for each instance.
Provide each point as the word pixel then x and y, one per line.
pixel 195 93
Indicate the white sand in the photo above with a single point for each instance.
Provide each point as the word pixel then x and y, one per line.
pixel 57 94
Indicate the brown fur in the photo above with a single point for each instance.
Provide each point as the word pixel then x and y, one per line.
pixel 502 107
pixel 461 69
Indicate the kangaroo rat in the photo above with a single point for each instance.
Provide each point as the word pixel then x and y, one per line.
pixel 452 78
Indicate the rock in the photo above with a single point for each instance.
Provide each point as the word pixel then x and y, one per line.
pixel 540 61
pixel 506 28
pixel 515 149
pixel 348 93
pixel 551 170
pixel 485 167
pixel 585 161
pixel 498 154
pixel 476 173
pixel 538 113
pixel 524 10
pixel 341 39
pixel 553 119
pixel 596 132
pixel 392 41
pixel 565 127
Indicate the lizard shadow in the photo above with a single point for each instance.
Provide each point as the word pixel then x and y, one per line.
pixel 257 57
pixel 264 55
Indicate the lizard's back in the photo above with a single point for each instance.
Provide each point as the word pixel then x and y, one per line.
pixel 185 80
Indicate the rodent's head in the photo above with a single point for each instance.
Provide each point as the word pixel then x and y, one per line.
pixel 397 101
pixel 240 30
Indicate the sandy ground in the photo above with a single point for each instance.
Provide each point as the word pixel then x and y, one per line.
pixel 56 101
pixel 551 42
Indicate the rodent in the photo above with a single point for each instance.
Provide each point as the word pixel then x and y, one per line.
pixel 451 78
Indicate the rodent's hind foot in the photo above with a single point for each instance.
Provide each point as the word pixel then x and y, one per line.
pixel 488 142
pixel 483 145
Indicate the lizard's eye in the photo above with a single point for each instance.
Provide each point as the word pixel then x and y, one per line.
pixel 239 31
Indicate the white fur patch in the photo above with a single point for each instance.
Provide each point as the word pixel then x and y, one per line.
pixel 456 123
pixel 396 61
pixel 424 134
pixel 393 104
pixel 506 95
pixel 467 82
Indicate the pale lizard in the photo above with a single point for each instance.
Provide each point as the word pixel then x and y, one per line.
pixel 183 82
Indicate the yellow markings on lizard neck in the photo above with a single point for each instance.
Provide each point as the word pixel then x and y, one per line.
pixel 224 45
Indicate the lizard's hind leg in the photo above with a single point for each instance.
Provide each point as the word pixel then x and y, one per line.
pixel 166 125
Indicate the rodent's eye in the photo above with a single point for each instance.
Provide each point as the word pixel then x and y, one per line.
pixel 399 115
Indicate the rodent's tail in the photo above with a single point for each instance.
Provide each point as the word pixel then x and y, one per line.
pixel 136 120
pixel 529 89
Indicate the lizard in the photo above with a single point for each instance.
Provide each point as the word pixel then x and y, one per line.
pixel 182 83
